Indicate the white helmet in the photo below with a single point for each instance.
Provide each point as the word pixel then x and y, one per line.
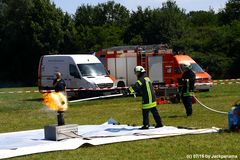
pixel 187 65
pixel 139 69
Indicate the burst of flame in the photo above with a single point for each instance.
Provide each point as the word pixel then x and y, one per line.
pixel 56 101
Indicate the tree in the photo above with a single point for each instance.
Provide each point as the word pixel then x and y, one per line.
pixel 231 12
pixel 33 28
pixel 104 13
pixel 168 24
pixel 134 33
pixel 233 42
pixel 69 43
pixel 100 26
pixel 86 16
pixel 113 13
pixel 203 18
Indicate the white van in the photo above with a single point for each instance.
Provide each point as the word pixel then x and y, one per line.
pixel 78 71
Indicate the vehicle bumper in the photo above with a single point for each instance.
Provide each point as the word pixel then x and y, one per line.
pixel 203 86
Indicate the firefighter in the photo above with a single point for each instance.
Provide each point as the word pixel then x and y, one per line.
pixel 144 86
pixel 59 84
pixel 187 87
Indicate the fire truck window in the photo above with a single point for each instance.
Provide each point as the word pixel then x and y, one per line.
pixel 169 69
pixel 177 70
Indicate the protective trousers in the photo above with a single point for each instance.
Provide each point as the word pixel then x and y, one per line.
pixel 156 116
pixel 187 101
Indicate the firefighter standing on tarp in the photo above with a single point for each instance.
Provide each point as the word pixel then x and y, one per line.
pixel 144 86
pixel 187 87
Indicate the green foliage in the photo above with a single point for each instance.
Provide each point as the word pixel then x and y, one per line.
pixel 216 64
pixel 136 27
pixel 231 12
pixel 102 14
pixel 203 18
pixel 33 28
pixel 100 26
pixel 30 29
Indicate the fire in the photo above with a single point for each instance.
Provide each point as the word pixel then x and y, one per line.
pixel 56 101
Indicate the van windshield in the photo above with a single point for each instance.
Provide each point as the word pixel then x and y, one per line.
pixel 92 69
pixel 195 67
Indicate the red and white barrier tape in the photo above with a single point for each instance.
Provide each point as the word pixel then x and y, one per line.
pixel 226 81
pixel 68 90
pixel 215 82
pixel 11 92
pixel 86 89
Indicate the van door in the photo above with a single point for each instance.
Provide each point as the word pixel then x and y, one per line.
pixel 74 79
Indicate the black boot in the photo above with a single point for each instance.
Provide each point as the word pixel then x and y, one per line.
pixel 159 125
pixel 144 127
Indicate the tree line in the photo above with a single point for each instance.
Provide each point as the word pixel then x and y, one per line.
pixel 30 29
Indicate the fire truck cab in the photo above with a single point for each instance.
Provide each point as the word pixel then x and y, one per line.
pixel 203 79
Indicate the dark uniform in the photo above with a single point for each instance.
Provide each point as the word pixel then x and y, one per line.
pixel 187 82
pixel 59 85
pixel 144 86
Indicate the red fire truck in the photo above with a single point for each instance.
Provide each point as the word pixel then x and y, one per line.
pixel 162 66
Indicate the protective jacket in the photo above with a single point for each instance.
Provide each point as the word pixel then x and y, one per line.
pixel 187 82
pixel 59 85
pixel 144 86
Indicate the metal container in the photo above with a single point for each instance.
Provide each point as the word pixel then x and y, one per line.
pixel 234 119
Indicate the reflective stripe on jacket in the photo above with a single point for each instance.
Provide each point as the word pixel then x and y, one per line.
pixel 187 91
pixel 144 86
pixel 188 81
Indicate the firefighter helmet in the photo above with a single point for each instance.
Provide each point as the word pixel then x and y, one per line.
pixel 187 65
pixel 139 69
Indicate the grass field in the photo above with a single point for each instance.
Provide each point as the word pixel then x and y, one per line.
pixel 25 111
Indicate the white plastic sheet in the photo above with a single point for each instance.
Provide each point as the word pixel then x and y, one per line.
pixel 29 142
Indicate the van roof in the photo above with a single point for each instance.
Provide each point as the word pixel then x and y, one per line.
pixel 184 58
pixel 78 58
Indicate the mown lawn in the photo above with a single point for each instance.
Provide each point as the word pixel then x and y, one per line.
pixel 25 111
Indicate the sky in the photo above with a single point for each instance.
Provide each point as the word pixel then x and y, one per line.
pixel 70 6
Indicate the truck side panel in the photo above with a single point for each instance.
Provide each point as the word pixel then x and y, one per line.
pixel 121 72
pixel 111 66
pixel 155 68
pixel 131 64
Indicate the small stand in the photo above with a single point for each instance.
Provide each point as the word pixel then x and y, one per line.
pixel 60 131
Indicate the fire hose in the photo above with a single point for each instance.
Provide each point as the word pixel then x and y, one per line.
pixel 213 110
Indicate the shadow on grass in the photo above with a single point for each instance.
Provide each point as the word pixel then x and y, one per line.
pixel 175 116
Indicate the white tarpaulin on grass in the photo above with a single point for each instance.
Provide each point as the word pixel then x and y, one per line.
pixel 28 142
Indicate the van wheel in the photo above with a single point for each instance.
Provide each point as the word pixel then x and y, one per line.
pixel 121 84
